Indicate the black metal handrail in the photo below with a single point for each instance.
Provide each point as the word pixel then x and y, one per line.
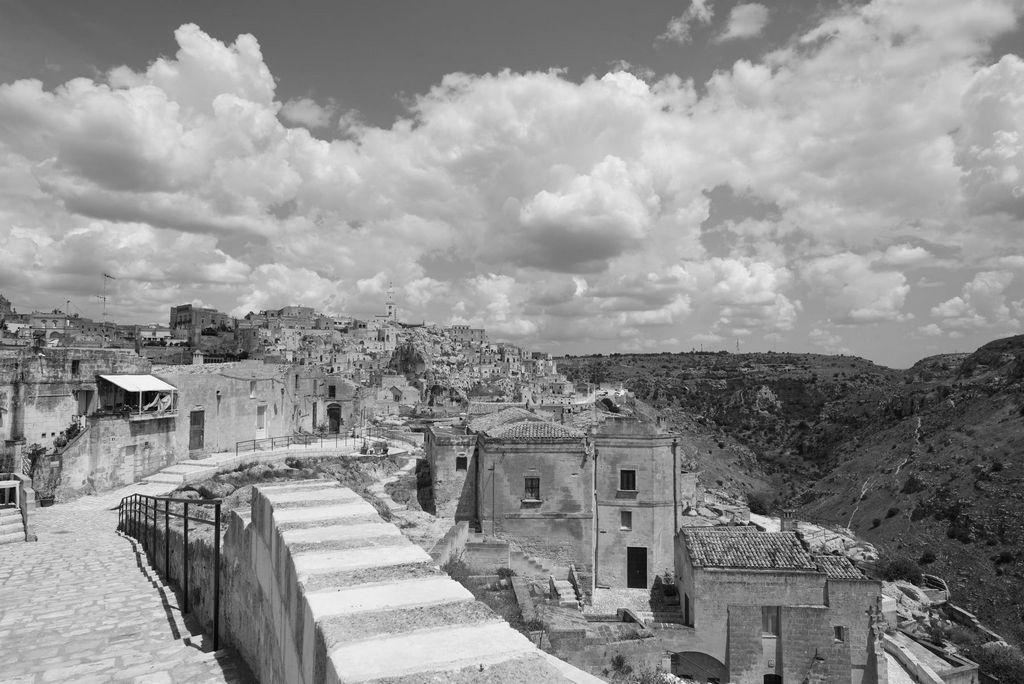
pixel 336 438
pixel 134 516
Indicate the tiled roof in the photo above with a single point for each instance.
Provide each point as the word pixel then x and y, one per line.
pixel 534 431
pixel 492 421
pixel 745 547
pixel 838 567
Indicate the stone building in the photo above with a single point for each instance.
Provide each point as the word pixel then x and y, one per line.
pixel 451 456
pixel 222 404
pixel 765 610
pixel 534 482
pixel 44 390
pixel 6 308
pixel 186 318
pixel 608 501
pixel 97 413
pixel 642 485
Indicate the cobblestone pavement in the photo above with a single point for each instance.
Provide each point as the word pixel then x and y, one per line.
pixel 81 605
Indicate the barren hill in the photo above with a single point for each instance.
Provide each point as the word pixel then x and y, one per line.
pixel 925 463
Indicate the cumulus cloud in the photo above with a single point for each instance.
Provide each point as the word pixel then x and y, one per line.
pixel 546 209
pixel 305 111
pixel 678 29
pixel 981 304
pixel 990 144
pixel 746 20
pixel 855 291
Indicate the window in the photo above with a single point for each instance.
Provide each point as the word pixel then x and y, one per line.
pixel 770 620
pixel 331 392
pixel 532 488
pixel 839 633
pixel 261 417
pixel 296 381
pixel 625 520
pixel 252 389
pixel 460 462
pixel 75 366
pixel 627 480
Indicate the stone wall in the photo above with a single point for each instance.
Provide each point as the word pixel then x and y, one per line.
pixel 726 612
pixel 43 389
pixel 451 545
pixel 316 588
pixel 115 451
pixel 625 443
pixel 230 397
pixel 558 528
pixel 454 489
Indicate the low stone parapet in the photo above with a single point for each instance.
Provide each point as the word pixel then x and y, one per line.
pixel 325 591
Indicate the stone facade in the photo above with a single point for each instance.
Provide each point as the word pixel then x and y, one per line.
pixel 44 390
pixel 220 405
pixel 821 617
pixel 568 523
pixel 651 509
pixel 451 455
pixel 555 521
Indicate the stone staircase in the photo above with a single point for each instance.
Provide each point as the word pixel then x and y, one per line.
pixel 12 529
pixel 563 592
pixel 528 566
pixel 362 603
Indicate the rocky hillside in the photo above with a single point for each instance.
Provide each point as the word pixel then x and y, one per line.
pixel 925 463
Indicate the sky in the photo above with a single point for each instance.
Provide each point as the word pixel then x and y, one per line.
pixel 579 176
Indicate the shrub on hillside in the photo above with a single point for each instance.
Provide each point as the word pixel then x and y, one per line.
pixel 456 569
pixel 913 484
pixel 758 504
pixel 927 557
pixel 505 573
pixel 901 568
pixel 999 660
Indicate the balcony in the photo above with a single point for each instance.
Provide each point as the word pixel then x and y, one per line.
pixel 153 415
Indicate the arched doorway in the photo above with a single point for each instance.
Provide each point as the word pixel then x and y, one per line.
pixel 334 421
pixel 698 666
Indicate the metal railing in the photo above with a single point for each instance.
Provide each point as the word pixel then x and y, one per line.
pixel 138 511
pixel 336 439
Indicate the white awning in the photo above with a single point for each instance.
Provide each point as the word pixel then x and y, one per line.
pixel 140 383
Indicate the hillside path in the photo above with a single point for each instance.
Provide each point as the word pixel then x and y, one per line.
pixel 81 604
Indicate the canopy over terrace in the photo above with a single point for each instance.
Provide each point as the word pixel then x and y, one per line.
pixel 137 393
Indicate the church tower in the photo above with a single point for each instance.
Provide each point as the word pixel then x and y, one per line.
pixel 391 311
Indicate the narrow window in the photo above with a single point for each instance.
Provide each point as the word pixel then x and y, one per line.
pixel 252 389
pixel 331 392
pixel 770 620
pixel 75 366
pixel 460 462
pixel 625 520
pixel 296 381
pixel 839 633
pixel 627 480
pixel 261 417
pixel 532 488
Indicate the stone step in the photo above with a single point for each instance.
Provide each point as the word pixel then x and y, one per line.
pixel 10 538
pixel 8 525
pixel 440 650
pixel 10 512
pixel 165 478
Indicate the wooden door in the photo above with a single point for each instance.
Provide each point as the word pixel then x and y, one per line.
pixel 636 567
pixel 196 426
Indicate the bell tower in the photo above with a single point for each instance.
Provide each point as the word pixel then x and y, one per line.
pixel 389 306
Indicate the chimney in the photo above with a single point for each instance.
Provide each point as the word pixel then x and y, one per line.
pixel 787 520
